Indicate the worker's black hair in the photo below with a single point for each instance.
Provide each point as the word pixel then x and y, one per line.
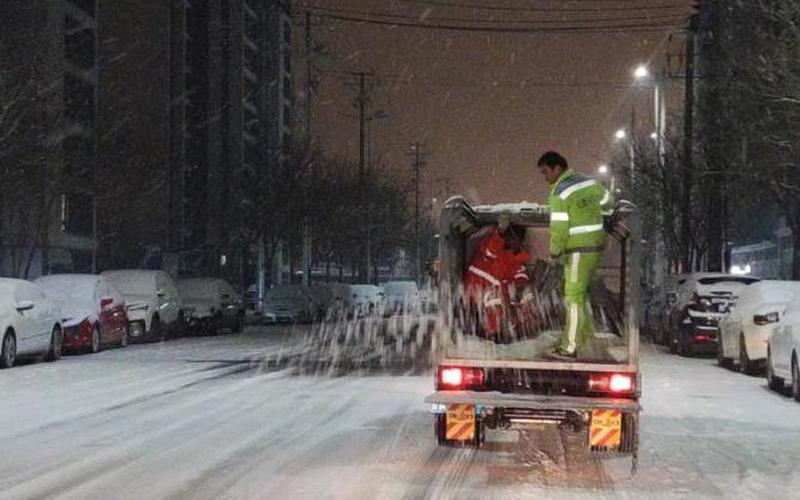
pixel 553 159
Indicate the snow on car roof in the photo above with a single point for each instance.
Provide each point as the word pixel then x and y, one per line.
pixel 69 290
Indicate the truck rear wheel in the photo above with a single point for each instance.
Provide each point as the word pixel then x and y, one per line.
pixel 440 429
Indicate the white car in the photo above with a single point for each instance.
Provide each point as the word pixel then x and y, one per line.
pixel 783 352
pixel 745 330
pixel 401 297
pixel 366 300
pixel 291 304
pixel 152 301
pixel 29 322
pixel 211 304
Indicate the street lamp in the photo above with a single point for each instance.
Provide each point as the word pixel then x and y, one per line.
pixel 641 72
pixel 602 169
pixel 620 134
pixel 654 136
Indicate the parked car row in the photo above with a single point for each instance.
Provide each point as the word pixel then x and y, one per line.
pixel 690 321
pixel 750 325
pixel 293 303
pixel 87 312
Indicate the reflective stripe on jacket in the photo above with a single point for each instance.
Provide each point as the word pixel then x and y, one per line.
pixel 576 205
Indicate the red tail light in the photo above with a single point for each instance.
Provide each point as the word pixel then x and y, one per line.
pixel 618 383
pixel 455 377
pixel 702 338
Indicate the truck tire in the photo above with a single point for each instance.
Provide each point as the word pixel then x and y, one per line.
pixel 440 426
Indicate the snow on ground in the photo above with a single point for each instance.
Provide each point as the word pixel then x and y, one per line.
pixel 208 418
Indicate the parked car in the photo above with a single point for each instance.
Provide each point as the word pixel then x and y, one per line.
pixel 152 302
pixel 366 300
pixel 334 297
pixel 93 311
pixel 401 297
pixel 783 351
pixel 702 300
pixel 744 332
pixel 211 305
pixel 29 321
pixel 290 304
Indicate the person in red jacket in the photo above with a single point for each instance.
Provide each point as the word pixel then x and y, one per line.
pixel 497 269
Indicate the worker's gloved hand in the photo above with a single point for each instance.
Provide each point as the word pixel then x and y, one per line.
pixel 503 222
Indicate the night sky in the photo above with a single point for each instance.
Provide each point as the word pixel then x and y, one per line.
pixel 486 105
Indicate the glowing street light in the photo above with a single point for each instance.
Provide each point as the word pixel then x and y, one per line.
pixel 654 136
pixel 641 72
pixel 620 134
pixel 602 169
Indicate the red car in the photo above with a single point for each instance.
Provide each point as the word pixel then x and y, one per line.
pixel 93 311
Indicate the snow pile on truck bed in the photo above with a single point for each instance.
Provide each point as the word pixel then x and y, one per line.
pixel 511 207
pixel 604 347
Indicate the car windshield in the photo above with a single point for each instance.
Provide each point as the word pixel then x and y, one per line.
pixel 286 292
pixel 198 289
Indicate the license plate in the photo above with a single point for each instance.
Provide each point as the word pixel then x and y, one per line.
pixel 606 428
pixel 460 423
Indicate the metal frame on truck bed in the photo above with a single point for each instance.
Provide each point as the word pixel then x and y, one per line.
pixel 595 398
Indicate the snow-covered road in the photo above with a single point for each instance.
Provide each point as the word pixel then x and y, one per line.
pixel 198 418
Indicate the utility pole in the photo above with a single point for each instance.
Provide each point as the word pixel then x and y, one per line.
pixel 688 147
pixel 306 223
pixel 632 150
pixel 362 104
pixel 418 163
pixel 309 48
pixel 362 101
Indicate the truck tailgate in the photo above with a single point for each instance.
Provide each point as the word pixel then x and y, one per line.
pixel 531 401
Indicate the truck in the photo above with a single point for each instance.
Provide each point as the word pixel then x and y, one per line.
pixel 486 384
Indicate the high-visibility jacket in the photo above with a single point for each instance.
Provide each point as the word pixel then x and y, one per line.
pixel 577 204
pixel 493 269
pixel 496 265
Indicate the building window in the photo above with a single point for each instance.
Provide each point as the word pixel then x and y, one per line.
pixel 88 6
pixel 287 88
pixel 287 32
pixel 79 47
pixel 79 102
pixel 77 214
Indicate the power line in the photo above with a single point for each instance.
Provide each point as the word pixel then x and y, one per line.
pixel 546 9
pixel 677 17
pixel 608 28
pixel 521 84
